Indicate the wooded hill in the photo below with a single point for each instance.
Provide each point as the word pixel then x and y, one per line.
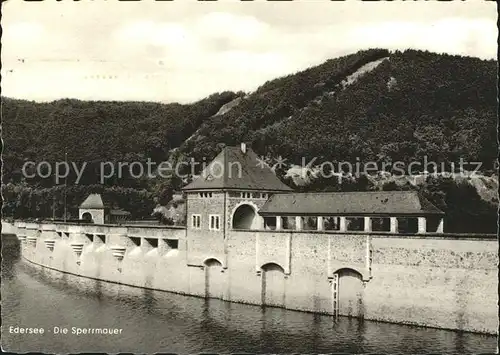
pixel 374 105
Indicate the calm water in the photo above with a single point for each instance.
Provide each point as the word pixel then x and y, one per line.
pixel 163 322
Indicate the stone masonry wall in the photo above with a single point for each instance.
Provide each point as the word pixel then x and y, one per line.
pixel 446 283
pixel 423 280
pixel 204 243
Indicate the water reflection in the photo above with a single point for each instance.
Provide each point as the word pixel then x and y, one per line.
pixel 162 322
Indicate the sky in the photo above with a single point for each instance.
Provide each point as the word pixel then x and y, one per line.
pixel 184 50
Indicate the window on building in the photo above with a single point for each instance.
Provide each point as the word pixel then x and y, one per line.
pixel 310 223
pixel 196 221
pixel 288 222
pixel 355 223
pixel 381 224
pixel 246 195
pixel 331 223
pixel 408 225
pixel 205 194
pixel 214 222
pixel 270 223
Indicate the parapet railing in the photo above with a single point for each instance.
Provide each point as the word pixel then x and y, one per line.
pixel 380 234
pixel 90 224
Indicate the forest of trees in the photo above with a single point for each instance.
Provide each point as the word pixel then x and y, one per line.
pixel 413 104
pixel 95 132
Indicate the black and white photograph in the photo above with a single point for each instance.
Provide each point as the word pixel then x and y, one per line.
pixel 259 177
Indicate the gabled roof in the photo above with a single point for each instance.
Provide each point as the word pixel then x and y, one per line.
pixel 383 203
pixel 93 201
pixel 235 169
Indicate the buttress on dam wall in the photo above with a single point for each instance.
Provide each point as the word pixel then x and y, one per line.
pixel 443 281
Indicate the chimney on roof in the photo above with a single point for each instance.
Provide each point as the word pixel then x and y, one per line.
pixel 243 147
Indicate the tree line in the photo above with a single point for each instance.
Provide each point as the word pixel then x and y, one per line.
pixel 414 104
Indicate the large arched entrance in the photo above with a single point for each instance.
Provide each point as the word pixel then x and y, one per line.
pixel 245 217
pixel 87 217
pixel 214 279
pixel 273 285
pixel 349 293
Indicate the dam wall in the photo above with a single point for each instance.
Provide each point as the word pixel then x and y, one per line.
pixel 443 281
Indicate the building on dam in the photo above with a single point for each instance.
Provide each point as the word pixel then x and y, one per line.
pixel 249 238
pixel 96 210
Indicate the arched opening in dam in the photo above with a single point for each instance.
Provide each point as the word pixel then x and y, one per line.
pixel 87 217
pixel 350 290
pixel 273 285
pixel 245 217
pixel 172 321
pixel 214 279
